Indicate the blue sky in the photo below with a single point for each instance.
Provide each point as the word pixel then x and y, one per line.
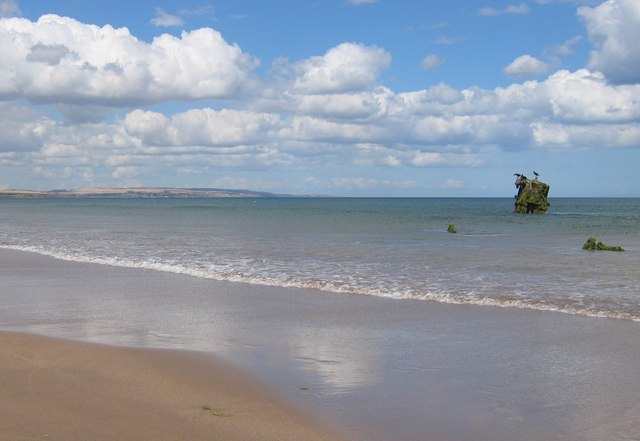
pixel 338 97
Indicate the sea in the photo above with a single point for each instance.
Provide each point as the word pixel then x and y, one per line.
pixel 397 248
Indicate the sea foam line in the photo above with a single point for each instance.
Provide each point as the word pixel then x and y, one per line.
pixel 329 286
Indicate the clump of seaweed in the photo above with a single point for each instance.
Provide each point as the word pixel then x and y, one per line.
pixel 592 244
pixel 452 228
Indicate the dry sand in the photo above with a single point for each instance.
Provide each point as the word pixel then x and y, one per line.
pixel 61 390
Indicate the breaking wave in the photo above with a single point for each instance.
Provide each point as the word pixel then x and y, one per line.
pixel 566 306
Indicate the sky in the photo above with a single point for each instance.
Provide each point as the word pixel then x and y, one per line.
pixel 440 98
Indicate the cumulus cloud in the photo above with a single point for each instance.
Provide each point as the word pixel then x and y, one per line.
pixel 584 97
pixel 326 109
pixel 436 127
pixel 200 128
pixel 614 28
pixel 346 67
pixel 526 66
pixel 164 19
pixel 22 128
pixel 9 9
pixel 59 59
pixel 123 172
pixel 431 62
pixel 48 54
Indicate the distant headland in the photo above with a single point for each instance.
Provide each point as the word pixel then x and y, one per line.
pixel 143 192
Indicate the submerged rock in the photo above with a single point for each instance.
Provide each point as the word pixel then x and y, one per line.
pixel 593 245
pixel 532 195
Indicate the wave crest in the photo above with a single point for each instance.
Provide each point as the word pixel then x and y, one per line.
pixel 441 296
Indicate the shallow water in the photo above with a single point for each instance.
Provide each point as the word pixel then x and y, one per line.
pixel 362 347
pixel 377 369
pixel 395 248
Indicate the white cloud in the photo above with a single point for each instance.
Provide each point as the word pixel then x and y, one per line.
pixel 436 127
pixel 22 128
pixel 445 40
pixel 526 66
pixel 431 62
pixel 346 67
pixel 200 128
pixel 124 172
pixel 231 182
pixel 39 171
pixel 433 159
pixel 48 54
pixel 366 183
pixel 58 59
pixel 327 109
pixel 584 97
pixel 521 8
pixel 563 136
pixel 577 2
pixel 199 11
pixel 454 183
pixel 614 29
pixel 354 182
pixel 565 48
pixel 364 105
pixel 164 19
pixel 9 9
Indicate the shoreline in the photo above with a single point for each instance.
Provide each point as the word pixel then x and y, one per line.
pixel 508 303
pixel 372 369
pixel 66 390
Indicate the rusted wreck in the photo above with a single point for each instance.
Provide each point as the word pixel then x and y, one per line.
pixel 532 195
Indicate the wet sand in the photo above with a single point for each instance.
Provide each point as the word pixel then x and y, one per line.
pixel 371 368
pixel 62 390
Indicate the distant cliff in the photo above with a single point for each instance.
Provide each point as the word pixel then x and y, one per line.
pixel 141 192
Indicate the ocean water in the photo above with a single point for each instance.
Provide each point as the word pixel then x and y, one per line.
pixel 394 248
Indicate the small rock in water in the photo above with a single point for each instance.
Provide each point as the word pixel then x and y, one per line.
pixel 593 245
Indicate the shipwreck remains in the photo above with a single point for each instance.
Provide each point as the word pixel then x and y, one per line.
pixel 532 195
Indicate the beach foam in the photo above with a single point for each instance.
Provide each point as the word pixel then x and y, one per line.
pixel 565 306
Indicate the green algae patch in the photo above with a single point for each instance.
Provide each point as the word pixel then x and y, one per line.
pixel 592 244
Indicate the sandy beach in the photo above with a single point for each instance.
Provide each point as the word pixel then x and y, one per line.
pixel 367 368
pixel 62 390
